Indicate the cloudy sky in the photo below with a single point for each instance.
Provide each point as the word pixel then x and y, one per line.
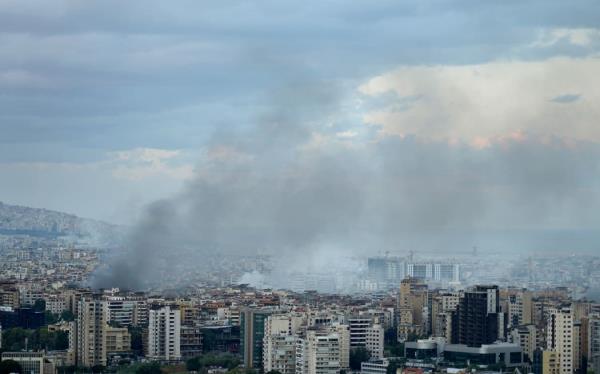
pixel 461 113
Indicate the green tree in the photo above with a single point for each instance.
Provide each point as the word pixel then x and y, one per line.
pixel 357 356
pixel 67 315
pixel 98 369
pixel 10 366
pixel 390 336
pixel 392 367
pixel 39 305
pixel 14 339
pixel 137 344
pixel 150 368
pixel 61 341
pixel 239 370
pixel 224 360
pixel 278 372
pixel 50 318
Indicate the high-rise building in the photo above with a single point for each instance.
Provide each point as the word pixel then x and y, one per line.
pixel 385 271
pixel 374 340
pixel 287 324
pixel 517 304
pixel 164 333
pixel 358 330
pixel 279 353
pixel 593 339
pixel 563 338
pixel 319 353
pixel 9 295
pixel 442 307
pixel 343 332
pixel 551 362
pixel 91 326
pixel 413 308
pixel 279 345
pixel 252 332
pixel 117 341
pixel 478 317
pixel 190 341
pixel 526 337
pixel 120 310
pixel 439 272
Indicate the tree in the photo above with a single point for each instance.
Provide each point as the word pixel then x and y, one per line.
pixel 10 366
pixel 39 305
pixel 357 356
pixel 50 318
pixel 278 372
pixel 151 368
pixel 390 336
pixel 98 369
pixel 61 340
pixel 14 339
pixel 242 371
pixel 224 360
pixel 67 315
pixel 137 344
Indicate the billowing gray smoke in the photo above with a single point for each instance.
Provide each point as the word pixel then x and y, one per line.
pixel 289 185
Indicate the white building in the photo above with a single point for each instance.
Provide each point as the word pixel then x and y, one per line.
pixel 358 330
pixel 374 341
pixel 31 362
pixel 279 353
pixel 318 353
pixel 164 334
pixel 279 343
pixel 375 366
pixel 287 324
pixel 56 304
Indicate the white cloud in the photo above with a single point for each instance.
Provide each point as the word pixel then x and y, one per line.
pixel 581 37
pixel 140 163
pixel 489 102
pixel 150 155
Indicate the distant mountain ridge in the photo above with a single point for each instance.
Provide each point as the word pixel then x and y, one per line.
pixel 22 220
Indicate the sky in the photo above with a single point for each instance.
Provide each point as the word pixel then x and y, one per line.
pixel 410 114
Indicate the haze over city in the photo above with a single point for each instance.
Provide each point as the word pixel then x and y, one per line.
pixel 325 160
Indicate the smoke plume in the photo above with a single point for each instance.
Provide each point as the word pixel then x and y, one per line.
pixel 295 185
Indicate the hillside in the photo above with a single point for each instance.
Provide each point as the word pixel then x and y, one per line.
pixel 21 220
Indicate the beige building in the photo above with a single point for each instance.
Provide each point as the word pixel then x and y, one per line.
pixel 551 362
pixel 117 340
pixel 412 302
pixel 526 337
pixel 563 337
pixel 9 295
pixel 279 353
pixel 91 322
pixel 319 353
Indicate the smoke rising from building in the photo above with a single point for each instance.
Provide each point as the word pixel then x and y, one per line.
pixel 296 185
